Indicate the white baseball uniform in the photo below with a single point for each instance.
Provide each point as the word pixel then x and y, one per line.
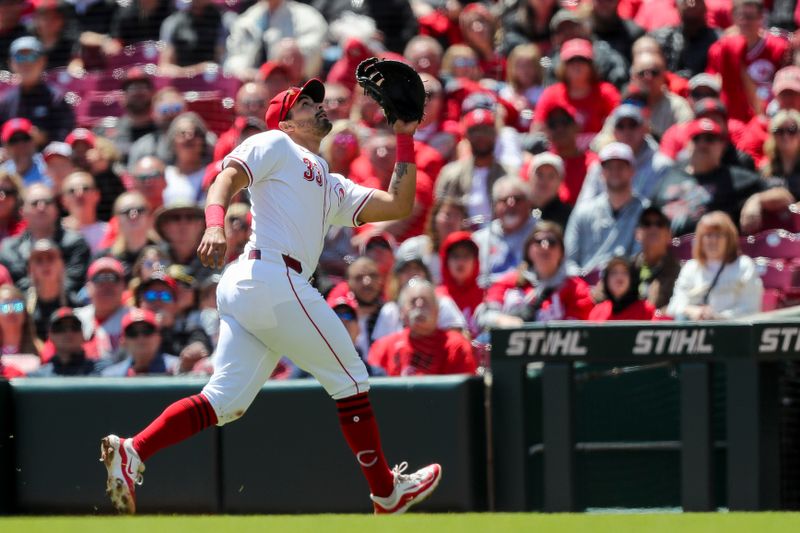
pixel 267 307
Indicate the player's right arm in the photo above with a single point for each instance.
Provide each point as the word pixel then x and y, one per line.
pixel 231 180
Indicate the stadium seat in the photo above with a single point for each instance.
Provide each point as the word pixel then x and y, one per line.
pixel 682 247
pixel 136 54
pixel 772 244
pixel 214 107
pixel 772 299
pixel 776 273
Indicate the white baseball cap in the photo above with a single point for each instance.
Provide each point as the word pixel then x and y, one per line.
pixel 547 158
pixel 617 150
pixel 705 80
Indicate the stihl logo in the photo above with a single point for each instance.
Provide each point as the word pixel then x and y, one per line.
pixel 779 339
pixel 545 343
pixel 675 342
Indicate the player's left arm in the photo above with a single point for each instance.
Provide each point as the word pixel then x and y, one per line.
pixel 398 201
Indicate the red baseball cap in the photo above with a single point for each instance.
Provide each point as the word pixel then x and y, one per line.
pixel 105 264
pixel 266 70
pixel 15 125
pixel 283 102
pixel 137 315
pixel 478 117
pixel 348 300
pixel 703 125
pixel 80 134
pixel 577 48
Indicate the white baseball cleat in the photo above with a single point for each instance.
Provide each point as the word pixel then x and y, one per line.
pixel 409 489
pixel 125 471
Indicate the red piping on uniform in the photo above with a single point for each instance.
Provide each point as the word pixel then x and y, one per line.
pixel 361 206
pixel 318 330
pixel 246 167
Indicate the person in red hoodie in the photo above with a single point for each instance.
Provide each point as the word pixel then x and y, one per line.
pixel 354 51
pixel 460 269
pixel 421 347
pixel 621 289
pixel 540 290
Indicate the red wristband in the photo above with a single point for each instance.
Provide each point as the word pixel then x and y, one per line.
pixel 215 216
pixel 405 148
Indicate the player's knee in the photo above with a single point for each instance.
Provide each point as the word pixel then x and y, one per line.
pixel 227 410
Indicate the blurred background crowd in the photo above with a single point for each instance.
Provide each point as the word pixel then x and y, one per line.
pixel 578 160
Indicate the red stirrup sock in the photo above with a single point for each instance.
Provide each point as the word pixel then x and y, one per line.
pixel 361 432
pixel 178 422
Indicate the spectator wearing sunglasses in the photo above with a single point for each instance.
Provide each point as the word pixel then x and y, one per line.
pixel 648 73
pixel 782 149
pixel 158 294
pixel 134 219
pixel 604 227
pixel 80 197
pixel 69 357
pixel 181 224
pixel 40 214
pixel 141 342
pixel 33 97
pixel 540 289
pixel 657 267
pixel 686 45
pixel 168 103
pixel 20 148
pixel 629 126
pixel 16 326
pixel 11 223
pixel 148 179
pixel 102 318
pixel 705 184
pixel 137 102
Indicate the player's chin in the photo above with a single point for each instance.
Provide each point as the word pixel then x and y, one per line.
pixel 324 126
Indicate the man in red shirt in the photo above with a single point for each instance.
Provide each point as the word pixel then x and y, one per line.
pixel 421 347
pixel 562 132
pixel 747 61
pixel 251 101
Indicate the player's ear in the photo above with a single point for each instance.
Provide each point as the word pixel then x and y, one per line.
pixel 285 126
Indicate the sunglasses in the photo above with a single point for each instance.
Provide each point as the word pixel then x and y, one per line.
pixel 8 193
pixel 790 131
pixel 699 94
pixel 157 296
pixel 185 217
pixel 41 203
pixel 559 123
pixel 106 277
pixel 461 62
pixel 83 189
pixel 652 72
pixel 66 326
pixel 653 223
pixel 19 139
pixel 626 125
pixel 149 176
pixel 26 57
pixel 170 109
pixel 549 241
pixel 346 316
pixel 12 308
pixel 133 213
pixel 140 331
pixel 706 138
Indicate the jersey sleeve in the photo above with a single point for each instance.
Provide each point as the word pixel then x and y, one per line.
pixel 260 155
pixel 348 200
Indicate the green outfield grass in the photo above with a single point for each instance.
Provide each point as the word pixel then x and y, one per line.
pixel 416 523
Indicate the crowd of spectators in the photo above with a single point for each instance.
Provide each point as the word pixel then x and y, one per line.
pixel 565 145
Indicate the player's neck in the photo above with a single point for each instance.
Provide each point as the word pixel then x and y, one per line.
pixel 310 143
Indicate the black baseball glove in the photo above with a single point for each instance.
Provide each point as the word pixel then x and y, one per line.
pixel 395 86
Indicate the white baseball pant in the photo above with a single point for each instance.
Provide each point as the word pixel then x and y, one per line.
pixel 268 309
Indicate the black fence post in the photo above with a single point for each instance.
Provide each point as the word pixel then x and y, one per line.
pixel 697 443
pixel 558 421
pixel 510 452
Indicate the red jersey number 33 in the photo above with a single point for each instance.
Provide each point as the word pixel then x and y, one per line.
pixel 312 172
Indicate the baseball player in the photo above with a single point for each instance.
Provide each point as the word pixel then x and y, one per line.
pixel 268 307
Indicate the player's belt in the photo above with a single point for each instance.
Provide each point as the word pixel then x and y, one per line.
pixel 290 261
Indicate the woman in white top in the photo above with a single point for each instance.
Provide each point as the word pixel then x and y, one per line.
pixel 718 282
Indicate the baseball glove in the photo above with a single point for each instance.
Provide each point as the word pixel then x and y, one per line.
pixel 395 86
